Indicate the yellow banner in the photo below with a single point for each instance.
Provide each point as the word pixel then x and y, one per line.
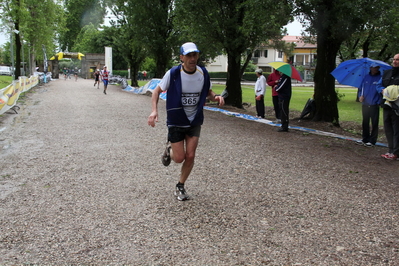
pixel 10 94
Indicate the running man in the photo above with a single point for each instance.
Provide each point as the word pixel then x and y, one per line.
pixel 104 78
pixel 97 78
pixel 188 86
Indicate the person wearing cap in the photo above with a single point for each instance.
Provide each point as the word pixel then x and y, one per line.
pixel 260 90
pixel 391 120
pixel 105 78
pixel 187 85
pixel 370 99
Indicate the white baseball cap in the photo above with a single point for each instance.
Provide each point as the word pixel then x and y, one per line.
pixel 188 47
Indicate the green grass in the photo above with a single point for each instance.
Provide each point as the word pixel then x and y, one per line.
pixel 5 81
pixel 348 108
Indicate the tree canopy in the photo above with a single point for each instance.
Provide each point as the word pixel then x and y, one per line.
pixel 36 23
pixel 78 14
pixel 236 28
pixel 332 23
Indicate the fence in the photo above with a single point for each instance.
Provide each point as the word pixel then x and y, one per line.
pixel 10 94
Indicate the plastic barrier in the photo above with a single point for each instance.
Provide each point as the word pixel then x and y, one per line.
pixel 10 94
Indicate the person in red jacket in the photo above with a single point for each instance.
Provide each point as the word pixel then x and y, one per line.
pixel 272 81
pixel 105 77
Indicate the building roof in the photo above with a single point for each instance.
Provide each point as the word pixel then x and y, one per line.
pixel 299 42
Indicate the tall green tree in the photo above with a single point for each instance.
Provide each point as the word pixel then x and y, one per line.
pixel 333 23
pixel 128 39
pixel 235 27
pixel 377 38
pixel 34 24
pixel 153 27
pixel 80 13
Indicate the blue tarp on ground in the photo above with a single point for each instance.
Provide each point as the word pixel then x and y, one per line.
pixel 150 86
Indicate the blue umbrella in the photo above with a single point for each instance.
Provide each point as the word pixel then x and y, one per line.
pixel 352 72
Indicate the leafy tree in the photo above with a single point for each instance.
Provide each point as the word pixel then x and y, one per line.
pixel 36 23
pixel 153 27
pixel 128 40
pixel 236 27
pixel 377 38
pixel 80 13
pixel 333 22
pixel 85 41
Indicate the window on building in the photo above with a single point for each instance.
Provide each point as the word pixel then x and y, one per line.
pixel 257 53
pixel 280 54
pixel 265 53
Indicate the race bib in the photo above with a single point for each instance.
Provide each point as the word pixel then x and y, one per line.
pixel 190 99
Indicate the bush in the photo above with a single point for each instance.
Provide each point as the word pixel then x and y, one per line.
pixel 218 75
pixel 248 76
pixel 122 73
pixel 251 76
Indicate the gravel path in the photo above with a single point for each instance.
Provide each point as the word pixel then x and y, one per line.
pixel 82 183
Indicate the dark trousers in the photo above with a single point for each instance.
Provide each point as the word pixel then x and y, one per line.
pixel 276 106
pixel 370 113
pixel 391 128
pixel 284 112
pixel 260 107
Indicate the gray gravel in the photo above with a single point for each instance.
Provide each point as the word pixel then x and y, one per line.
pixel 82 183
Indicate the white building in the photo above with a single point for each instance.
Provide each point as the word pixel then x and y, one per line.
pixel 304 55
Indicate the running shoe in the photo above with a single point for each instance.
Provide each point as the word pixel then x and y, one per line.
pixel 359 142
pixel 385 155
pixel 391 156
pixel 166 156
pixel 181 193
pixel 369 144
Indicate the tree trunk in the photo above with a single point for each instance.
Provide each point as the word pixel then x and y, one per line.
pixel 17 72
pixel 134 69
pixel 325 95
pixel 162 63
pixel 233 83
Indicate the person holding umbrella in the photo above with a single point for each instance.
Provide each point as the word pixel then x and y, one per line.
pixel 370 99
pixel 391 120
pixel 284 90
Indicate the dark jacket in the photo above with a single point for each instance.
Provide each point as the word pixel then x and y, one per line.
pixel 174 107
pixel 390 77
pixel 284 88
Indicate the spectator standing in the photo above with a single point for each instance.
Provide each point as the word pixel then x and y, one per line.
pixel 391 120
pixel 188 86
pixel 370 99
pixel 284 90
pixel 272 81
pixel 260 90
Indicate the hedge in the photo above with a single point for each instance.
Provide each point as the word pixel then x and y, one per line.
pixel 248 76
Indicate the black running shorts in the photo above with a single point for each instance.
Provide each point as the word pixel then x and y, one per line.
pixel 177 134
